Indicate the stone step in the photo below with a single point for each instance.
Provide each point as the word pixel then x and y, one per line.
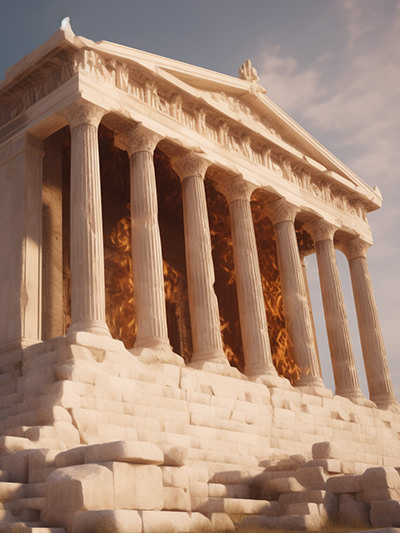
pixel 10 490
pixel 196 454
pixel 35 490
pixel 140 403
pixel 214 467
pixel 18 504
pixel 237 507
pixel 10 399
pixel 9 444
pixel 8 382
pixel 280 523
pixel 237 490
pixel 235 476
pixel 29 527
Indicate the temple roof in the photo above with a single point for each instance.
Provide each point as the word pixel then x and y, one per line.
pixel 207 86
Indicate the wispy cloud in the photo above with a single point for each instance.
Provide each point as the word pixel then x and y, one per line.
pixel 357 103
pixel 349 98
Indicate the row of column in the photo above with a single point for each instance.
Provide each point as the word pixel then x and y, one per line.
pixel 87 269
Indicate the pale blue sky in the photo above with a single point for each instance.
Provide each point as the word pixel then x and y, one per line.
pixel 333 65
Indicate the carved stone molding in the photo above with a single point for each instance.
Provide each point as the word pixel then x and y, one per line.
pixel 137 139
pixel 216 120
pixel 190 164
pixel 83 112
pixel 354 248
pixel 236 189
pixel 281 211
pixel 321 230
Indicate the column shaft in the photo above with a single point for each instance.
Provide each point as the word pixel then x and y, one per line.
pixel 253 321
pixel 152 342
pixel 294 294
pixel 204 314
pixel 87 256
pixel 373 348
pixel 146 255
pixel 343 364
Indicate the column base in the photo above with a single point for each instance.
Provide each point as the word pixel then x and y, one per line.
pixel 388 404
pixel 313 385
pixel 357 397
pixel 95 340
pixel 160 353
pixel 96 327
pixel 270 380
pixel 218 367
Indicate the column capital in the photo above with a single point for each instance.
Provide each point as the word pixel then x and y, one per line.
pixel 236 188
pixel 354 248
pixel 321 230
pixel 137 139
pixel 190 165
pixel 84 112
pixel 281 211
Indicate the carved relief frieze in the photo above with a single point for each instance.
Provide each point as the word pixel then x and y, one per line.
pixel 319 187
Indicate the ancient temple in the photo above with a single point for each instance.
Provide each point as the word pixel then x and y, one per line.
pixel 159 368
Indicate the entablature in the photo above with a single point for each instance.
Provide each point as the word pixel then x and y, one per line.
pixel 226 125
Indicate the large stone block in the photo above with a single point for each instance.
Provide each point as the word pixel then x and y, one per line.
pixel 311 496
pixel 311 477
pixel 174 477
pixel 280 485
pixel 221 522
pixel 16 465
pixel 40 461
pixel 354 514
pixel 327 450
pixel 107 521
pixel 385 513
pixel 136 486
pixel 165 521
pixel 381 483
pixel 130 452
pixel 199 523
pixel 304 508
pixel 345 484
pixel 13 444
pixel 74 456
pixel 299 522
pixel 176 499
pixel 10 490
pixel 73 489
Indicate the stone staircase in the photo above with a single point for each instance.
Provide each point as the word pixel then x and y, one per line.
pixel 20 505
pixel 220 434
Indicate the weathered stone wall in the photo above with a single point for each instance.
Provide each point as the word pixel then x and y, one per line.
pixel 211 442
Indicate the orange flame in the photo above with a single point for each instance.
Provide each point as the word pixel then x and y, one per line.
pixel 120 306
pixel 120 294
pixel 281 345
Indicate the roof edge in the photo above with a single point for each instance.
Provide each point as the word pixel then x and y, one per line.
pixel 63 37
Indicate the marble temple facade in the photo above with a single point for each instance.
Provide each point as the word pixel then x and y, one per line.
pixel 159 368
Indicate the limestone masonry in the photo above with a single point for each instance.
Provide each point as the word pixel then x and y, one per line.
pixel 159 369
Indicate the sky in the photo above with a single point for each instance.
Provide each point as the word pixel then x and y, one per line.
pixel 332 65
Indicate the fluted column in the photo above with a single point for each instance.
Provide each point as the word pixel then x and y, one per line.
pixel 343 364
pixel 294 294
pixel 87 256
pixel 152 341
pixel 253 322
pixel 204 314
pixel 374 353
